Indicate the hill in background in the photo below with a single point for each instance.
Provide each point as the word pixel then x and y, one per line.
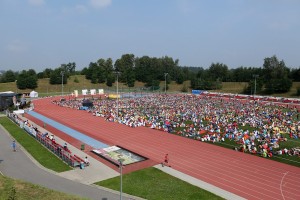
pixel 45 89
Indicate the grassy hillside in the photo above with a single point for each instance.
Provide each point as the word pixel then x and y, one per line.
pixel 44 88
pixel 15 189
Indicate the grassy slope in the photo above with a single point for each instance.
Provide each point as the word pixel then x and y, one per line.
pixel 45 88
pixel 15 189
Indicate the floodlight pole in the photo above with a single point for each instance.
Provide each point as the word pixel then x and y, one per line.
pixel 16 81
pixel 62 82
pixel 255 76
pixel 121 160
pixel 117 73
pixel 166 74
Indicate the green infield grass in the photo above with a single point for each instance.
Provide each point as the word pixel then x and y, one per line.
pixel 152 183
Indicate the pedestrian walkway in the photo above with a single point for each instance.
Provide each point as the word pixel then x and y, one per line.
pixel 97 171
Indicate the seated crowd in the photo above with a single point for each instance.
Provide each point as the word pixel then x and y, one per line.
pixel 258 127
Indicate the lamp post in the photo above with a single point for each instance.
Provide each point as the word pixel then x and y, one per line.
pixel 117 73
pixel 166 74
pixel 255 76
pixel 121 160
pixel 16 81
pixel 62 82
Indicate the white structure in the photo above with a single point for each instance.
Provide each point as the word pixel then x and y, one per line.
pixel 101 91
pixel 33 94
pixel 84 92
pixel 76 93
pixel 93 91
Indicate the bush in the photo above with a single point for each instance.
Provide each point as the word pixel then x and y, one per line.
pixel 76 80
pixel 184 88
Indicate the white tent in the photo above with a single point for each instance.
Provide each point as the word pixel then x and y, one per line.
pixel 33 94
pixel 20 111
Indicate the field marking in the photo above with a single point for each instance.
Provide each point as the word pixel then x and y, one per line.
pixel 284 174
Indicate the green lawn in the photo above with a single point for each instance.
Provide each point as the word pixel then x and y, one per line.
pixel 39 152
pixel 11 189
pixel 151 183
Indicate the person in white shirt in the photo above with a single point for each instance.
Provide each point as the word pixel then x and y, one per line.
pixel 86 161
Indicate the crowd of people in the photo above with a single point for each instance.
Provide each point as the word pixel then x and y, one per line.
pixel 257 126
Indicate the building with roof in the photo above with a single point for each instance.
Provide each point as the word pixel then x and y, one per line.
pixel 7 99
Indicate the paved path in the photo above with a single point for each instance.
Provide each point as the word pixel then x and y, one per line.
pixel 20 165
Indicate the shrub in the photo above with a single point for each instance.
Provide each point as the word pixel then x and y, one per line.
pixel 76 80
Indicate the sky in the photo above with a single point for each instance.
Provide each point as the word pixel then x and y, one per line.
pixel 39 34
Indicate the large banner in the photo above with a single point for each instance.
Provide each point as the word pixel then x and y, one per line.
pixel 197 91
pixel 114 96
pixel 114 153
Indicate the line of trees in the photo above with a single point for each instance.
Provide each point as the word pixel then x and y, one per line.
pixel 273 77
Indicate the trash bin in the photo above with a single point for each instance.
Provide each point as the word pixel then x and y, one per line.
pixel 82 147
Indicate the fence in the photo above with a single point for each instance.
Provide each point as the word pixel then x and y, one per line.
pixel 51 145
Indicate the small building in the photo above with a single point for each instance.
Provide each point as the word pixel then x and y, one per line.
pixel 7 99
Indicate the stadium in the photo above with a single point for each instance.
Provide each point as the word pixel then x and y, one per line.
pixel 139 130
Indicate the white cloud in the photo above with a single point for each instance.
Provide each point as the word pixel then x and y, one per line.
pixel 36 2
pixel 16 46
pixel 100 3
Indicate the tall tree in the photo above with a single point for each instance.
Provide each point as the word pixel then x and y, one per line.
pixel 56 76
pixel 274 69
pixel 108 68
pixel 276 76
pixel 8 76
pixel 295 74
pixel 126 65
pixel 218 71
pixel 27 79
pixel 101 71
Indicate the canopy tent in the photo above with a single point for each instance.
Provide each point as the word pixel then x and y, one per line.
pixel 33 94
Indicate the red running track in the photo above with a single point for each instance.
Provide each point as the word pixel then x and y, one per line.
pixel 248 176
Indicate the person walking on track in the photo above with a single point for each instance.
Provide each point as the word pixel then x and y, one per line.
pixel 166 161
